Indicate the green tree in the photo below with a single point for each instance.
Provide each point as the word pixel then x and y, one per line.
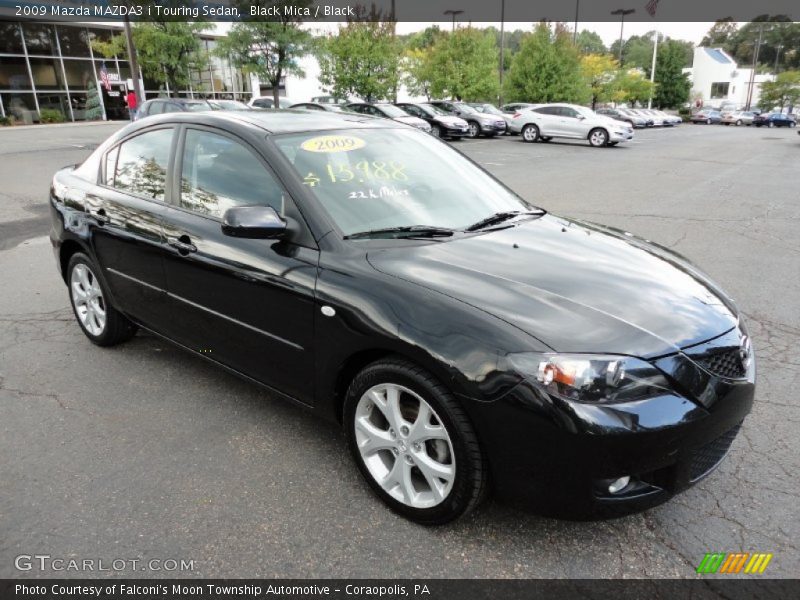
pixel 546 68
pixel 94 112
pixel 418 72
pixel 720 33
pixel 599 71
pixel 167 50
pixel 780 39
pixel 630 86
pixel 588 42
pixel 784 91
pixel 463 64
pixel 269 49
pixel 672 85
pixel 363 59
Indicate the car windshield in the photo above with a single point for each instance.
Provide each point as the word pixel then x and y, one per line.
pixel 430 108
pixel 228 104
pixel 490 109
pixel 391 111
pixel 466 108
pixel 371 179
pixel 198 106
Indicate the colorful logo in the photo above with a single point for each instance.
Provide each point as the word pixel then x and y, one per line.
pixel 734 562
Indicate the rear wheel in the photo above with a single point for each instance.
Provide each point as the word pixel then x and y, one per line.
pixel 771 124
pixel 598 137
pixel 413 443
pixel 99 321
pixel 530 133
pixel 792 124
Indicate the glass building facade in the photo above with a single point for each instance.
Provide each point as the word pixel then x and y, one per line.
pixel 52 66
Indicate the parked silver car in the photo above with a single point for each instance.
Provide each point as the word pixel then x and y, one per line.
pixel 570 121
pixel 738 117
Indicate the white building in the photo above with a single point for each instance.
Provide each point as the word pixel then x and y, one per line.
pixel 717 79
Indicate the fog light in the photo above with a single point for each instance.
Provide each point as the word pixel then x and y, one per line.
pixel 618 485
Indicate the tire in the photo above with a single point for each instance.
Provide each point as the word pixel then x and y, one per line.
pixel 708 121
pixel 530 133
pixel 436 131
pixel 452 441
pixel 771 124
pixel 100 322
pixel 598 137
pixel 792 124
pixel 474 129
pixel 738 123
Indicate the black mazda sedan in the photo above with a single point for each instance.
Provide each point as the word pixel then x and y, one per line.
pixel 466 340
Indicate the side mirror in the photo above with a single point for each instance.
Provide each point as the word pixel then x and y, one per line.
pixel 253 222
pixel 580 117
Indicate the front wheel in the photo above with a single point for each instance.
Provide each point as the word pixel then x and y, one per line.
pixel 598 137
pixel 530 133
pixel 413 443
pixel 792 124
pixel 770 124
pixel 708 121
pixel 474 129
pixel 739 122
pixel 99 321
pixel 436 131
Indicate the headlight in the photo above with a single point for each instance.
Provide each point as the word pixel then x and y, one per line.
pixel 591 377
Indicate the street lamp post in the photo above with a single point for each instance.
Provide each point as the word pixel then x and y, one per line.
pixel 453 14
pixel 502 47
pixel 622 12
pixel 753 70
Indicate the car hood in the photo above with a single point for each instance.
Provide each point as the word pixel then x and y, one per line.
pixel 409 120
pixel 576 287
pixel 453 121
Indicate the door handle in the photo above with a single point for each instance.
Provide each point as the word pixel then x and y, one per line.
pixel 183 244
pixel 100 216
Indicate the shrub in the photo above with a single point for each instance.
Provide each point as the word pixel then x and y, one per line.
pixel 51 115
pixel 6 121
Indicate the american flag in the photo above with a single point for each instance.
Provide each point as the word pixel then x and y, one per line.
pixel 104 77
pixel 651 7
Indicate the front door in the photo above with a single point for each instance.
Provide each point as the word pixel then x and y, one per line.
pixel 248 304
pixel 125 214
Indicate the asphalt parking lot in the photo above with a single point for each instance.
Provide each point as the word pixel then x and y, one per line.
pixel 142 451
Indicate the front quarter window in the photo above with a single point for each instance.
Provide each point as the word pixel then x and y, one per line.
pixel 368 179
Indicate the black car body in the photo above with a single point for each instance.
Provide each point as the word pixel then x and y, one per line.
pixel 319 106
pixel 629 118
pixel 479 123
pixel 506 319
pixel 384 110
pixel 442 124
pixel 774 119
pixel 160 106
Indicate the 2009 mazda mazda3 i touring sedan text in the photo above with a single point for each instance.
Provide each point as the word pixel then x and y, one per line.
pixel 467 340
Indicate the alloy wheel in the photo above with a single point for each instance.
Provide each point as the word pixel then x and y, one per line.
pixel 436 131
pixel 598 137
pixel 474 130
pixel 530 133
pixel 87 298
pixel 404 445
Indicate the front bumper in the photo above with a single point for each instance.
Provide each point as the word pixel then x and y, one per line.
pixel 620 136
pixel 493 128
pixel 557 458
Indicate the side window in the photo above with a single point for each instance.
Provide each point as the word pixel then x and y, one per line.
pixel 142 164
pixel 359 108
pixel 156 108
pixel 412 110
pixel 111 164
pixel 546 110
pixel 171 107
pixel 262 103
pixel 219 173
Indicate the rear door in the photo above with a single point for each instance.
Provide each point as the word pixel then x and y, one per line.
pixel 247 304
pixel 127 210
pixel 548 120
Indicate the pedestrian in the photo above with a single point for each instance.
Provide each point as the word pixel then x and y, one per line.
pixel 131 99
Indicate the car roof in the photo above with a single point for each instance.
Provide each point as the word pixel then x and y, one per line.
pixel 278 122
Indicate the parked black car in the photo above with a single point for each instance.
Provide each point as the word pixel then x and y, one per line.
pixel 478 122
pixel 169 105
pixel 464 338
pixel 442 124
pixel 630 118
pixel 329 106
pixel 389 111
pixel 774 119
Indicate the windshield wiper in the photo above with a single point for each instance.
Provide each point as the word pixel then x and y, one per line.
pixel 415 230
pixel 500 217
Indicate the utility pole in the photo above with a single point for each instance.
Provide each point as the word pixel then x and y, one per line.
pixel 502 48
pixel 453 14
pixel 653 72
pixel 753 71
pixel 777 56
pixel 622 12
pixel 134 63
pixel 575 31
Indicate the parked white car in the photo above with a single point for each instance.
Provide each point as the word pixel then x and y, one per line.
pixel 569 121
pixel 738 117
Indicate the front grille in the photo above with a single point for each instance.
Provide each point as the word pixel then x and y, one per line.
pixel 706 458
pixel 725 363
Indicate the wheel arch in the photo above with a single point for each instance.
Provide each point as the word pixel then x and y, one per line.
pixel 67 249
